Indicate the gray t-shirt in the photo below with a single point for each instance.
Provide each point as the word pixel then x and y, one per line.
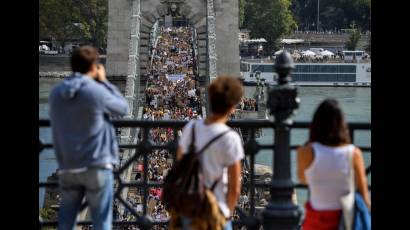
pixel 216 159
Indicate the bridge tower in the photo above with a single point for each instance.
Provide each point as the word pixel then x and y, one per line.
pixel 131 21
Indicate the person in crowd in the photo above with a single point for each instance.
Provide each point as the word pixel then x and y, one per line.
pixel 223 157
pixel 323 164
pixel 85 142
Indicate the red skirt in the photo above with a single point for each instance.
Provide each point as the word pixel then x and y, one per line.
pixel 321 220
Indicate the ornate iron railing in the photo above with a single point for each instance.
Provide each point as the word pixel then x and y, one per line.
pixel 211 33
pixel 145 146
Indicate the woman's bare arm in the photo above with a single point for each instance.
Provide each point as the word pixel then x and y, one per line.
pixel 360 175
pixel 305 159
pixel 234 185
pixel 179 153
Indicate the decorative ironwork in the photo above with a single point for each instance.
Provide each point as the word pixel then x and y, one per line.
pixel 174 7
pixel 281 212
pixel 211 41
pixel 144 147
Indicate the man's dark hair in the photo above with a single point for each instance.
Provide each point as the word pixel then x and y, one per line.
pixel 329 126
pixel 83 58
pixel 224 92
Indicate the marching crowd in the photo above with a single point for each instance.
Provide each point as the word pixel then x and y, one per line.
pixel 172 93
pixel 248 104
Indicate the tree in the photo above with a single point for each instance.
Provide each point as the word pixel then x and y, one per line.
pixel 270 19
pixel 94 14
pixel 81 20
pixel 242 4
pixel 353 39
pixel 48 214
pixel 305 13
pixel 57 20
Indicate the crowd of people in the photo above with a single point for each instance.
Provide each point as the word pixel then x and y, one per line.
pixel 248 104
pixel 171 93
pixel 174 52
pixel 168 99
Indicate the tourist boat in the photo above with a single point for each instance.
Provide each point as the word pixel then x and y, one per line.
pixel 346 72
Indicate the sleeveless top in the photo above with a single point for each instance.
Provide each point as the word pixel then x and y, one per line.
pixel 328 176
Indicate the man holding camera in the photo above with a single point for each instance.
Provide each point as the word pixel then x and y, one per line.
pixel 84 139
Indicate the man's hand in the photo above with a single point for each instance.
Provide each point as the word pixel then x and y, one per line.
pixel 101 73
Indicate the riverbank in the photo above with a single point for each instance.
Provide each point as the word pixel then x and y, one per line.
pixel 54 74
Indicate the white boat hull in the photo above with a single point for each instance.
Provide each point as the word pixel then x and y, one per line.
pixel 362 77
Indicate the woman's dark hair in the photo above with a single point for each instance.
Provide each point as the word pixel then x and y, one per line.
pixel 83 58
pixel 224 92
pixel 329 126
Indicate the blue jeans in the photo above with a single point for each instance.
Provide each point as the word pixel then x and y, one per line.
pixel 97 187
pixel 186 222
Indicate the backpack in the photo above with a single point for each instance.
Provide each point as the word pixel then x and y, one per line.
pixel 184 191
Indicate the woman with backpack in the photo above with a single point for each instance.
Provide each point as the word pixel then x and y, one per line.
pixel 331 166
pixel 219 150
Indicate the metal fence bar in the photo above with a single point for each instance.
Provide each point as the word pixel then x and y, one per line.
pixel 232 123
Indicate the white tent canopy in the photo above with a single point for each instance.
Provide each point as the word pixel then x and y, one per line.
pixel 278 52
pixel 256 40
pixel 326 53
pixel 308 53
pixel 291 41
pixel 45 47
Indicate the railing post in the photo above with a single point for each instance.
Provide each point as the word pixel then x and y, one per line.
pixel 281 212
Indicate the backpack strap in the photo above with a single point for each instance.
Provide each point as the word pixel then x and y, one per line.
pixel 205 147
pixel 191 147
pixel 212 141
pixel 215 183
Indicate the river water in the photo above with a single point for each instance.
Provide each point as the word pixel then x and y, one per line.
pixel 355 102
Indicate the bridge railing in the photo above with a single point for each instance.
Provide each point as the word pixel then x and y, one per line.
pixel 145 146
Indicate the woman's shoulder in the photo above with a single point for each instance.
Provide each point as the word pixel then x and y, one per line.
pixel 305 156
pixel 307 147
pixel 356 153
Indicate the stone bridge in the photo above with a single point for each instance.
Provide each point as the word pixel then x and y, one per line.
pixel 130 27
pixel 130 23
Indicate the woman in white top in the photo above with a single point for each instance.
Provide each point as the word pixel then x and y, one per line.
pixel 323 164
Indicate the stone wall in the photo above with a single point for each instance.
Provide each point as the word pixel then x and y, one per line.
pixel 227 41
pixel 118 36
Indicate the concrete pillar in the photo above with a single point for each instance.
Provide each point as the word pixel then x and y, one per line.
pixel 118 37
pixel 227 41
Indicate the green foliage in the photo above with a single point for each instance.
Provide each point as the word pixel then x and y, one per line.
pixel 47 213
pixel 353 40
pixel 82 20
pixel 270 19
pixel 242 4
